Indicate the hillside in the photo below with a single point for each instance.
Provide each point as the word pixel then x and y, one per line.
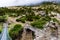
pixel 36 16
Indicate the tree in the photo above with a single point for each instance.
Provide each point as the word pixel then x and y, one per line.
pixel 16 31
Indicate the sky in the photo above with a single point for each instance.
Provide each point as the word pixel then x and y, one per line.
pixel 4 3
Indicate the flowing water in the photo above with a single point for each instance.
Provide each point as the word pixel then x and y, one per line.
pixel 5 34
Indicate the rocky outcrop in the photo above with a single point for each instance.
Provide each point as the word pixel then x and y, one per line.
pixel 50 32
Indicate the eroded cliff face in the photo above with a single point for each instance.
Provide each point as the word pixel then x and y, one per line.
pixel 28 35
pixel 50 32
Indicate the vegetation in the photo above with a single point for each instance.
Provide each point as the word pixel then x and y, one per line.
pixel 55 20
pixel 39 23
pixel 22 19
pixel 3 18
pixel 16 31
pixel 48 3
pixel 31 14
pixel 1 27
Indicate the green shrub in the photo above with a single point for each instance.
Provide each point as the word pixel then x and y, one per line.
pixel 22 19
pixel 16 31
pixel 13 14
pixel 3 18
pixel 29 18
pixel 47 18
pixel 39 23
pixel 36 17
pixel 55 20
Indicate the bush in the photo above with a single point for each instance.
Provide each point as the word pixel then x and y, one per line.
pixel 36 17
pixel 39 23
pixel 22 19
pixel 30 16
pixel 13 14
pixel 3 18
pixel 55 20
pixel 16 31
pixel 47 18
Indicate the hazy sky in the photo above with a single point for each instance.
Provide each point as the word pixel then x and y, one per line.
pixel 4 3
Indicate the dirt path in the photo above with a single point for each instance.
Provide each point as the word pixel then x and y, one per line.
pixel 13 20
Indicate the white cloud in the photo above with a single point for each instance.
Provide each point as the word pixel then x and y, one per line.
pixel 19 2
pixel 6 2
pixel 26 2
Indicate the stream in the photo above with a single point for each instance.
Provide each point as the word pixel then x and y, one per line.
pixel 5 34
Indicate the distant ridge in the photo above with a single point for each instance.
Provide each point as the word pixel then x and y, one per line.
pixel 46 2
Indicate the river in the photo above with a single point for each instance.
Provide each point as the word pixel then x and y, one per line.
pixel 5 34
